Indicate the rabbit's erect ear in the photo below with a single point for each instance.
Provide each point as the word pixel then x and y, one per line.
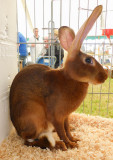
pixel 85 28
pixel 66 37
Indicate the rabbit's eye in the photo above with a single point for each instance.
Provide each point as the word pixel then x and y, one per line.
pixel 88 60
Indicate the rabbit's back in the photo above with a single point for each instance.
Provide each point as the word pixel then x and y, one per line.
pixel 28 80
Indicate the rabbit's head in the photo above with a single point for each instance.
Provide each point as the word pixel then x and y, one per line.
pixel 80 66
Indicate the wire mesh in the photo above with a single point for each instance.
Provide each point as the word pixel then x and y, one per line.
pixel 72 13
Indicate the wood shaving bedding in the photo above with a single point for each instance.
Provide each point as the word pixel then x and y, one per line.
pixel 96 142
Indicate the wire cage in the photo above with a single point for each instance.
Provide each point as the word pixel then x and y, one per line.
pixel 49 15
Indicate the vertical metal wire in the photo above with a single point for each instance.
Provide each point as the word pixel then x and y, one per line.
pixel 86 48
pixel 69 12
pixel 17 32
pixel 87 8
pixel 34 27
pixel 26 22
pixel 101 84
pixel 94 56
pixel 110 81
pixel 49 40
pixel 34 16
pixel 17 16
pixel 111 64
pixel 78 15
pixel 52 36
pixel 43 22
pixel 100 99
pixel 60 12
pixel 87 17
pixel 78 29
pixel 103 55
pixel 60 25
pixel 102 64
pixel 26 18
pixel 43 27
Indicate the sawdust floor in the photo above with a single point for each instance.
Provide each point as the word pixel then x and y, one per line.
pixel 96 142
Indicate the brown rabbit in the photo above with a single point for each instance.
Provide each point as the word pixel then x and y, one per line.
pixel 42 98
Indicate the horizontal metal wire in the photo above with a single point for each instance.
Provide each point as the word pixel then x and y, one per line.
pixel 96 43
pixel 80 8
pixel 99 93
pixel 39 43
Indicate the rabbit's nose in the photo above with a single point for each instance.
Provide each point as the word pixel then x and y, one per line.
pixel 106 75
pixel 102 76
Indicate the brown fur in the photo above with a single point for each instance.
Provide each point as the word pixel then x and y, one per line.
pixel 41 96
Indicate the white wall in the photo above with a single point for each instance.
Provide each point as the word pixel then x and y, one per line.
pixel 8 60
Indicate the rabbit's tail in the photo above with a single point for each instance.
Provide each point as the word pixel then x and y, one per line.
pixel 42 140
pixel 43 143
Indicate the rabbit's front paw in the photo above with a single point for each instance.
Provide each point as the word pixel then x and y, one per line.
pixel 71 145
pixel 74 139
pixel 60 145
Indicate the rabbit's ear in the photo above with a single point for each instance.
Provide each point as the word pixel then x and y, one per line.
pixel 85 28
pixel 66 37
